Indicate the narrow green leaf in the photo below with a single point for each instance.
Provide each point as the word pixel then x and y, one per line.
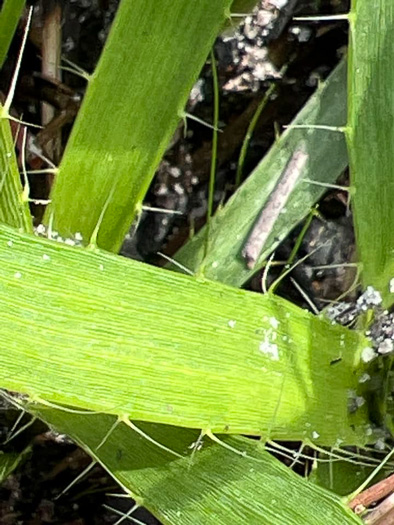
pixel 14 210
pixel 133 104
pixel 100 332
pixel 232 225
pixel 9 18
pixel 216 486
pixel 10 461
pixel 371 138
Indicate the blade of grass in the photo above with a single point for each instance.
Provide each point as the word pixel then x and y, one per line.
pixel 213 486
pixel 231 226
pixel 370 137
pixel 132 106
pixel 9 18
pixel 14 208
pixel 212 175
pixel 103 333
pixel 9 461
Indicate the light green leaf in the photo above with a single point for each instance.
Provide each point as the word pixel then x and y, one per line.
pixel 132 106
pixel 104 333
pixel 9 18
pixel 371 138
pixel 14 209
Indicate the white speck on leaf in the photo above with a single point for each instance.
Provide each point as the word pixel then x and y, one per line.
pixel 274 322
pixel 315 435
pixel 231 323
pixel 17 275
pixel 46 257
pixel 368 354
pixel 364 378
pixel 270 349
pixel 10 243
pixel 386 346
pixel 391 285
pixel 101 267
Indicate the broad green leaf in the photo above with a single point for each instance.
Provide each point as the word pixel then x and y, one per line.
pixel 132 106
pixel 100 332
pixel 231 225
pixel 14 208
pixel 9 18
pixel 371 137
pixel 215 486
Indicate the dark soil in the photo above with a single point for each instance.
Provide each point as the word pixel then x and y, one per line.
pixel 249 59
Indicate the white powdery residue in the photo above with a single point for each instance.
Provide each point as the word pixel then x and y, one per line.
pixel 380 444
pixel 78 236
pixel 315 435
pixel 274 322
pixel 101 267
pixel 279 4
pixel 40 230
pixel 17 275
pixel 215 264
pixel 386 346
pixel 360 401
pixel 391 285
pixel 364 378
pixel 69 242
pixel 46 257
pixel 270 349
pixel 10 243
pixel 368 354
pixel 232 323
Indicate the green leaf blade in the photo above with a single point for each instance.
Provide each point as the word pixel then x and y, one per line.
pixel 10 14
pixel 103 333
pixel 370 139
pixel 14 210
pixel 133 104
pixel 215 486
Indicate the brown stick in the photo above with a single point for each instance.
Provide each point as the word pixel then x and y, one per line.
pixel 374 493
pixel 275 204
